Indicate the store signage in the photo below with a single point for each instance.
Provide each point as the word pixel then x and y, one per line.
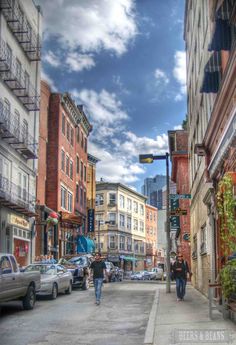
pixel 178 212
pixel 174 222
pixel 19 221
pixel 91 220
pixel 180 196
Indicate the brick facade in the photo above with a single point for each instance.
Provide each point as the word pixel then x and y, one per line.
pixel 151 236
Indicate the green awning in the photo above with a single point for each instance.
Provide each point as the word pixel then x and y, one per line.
pixel 128 258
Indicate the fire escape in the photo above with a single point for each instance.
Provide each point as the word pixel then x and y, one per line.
pixel 21 28
pixel 17 81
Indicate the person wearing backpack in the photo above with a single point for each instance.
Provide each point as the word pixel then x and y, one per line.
pixel 180 272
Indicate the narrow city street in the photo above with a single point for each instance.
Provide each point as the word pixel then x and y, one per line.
pixel 120 319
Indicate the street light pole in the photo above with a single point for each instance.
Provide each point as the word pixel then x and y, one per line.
pixel 99 247
pixel 149 158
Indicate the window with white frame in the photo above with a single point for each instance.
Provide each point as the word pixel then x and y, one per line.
pixel 62 160
pixel 129 244
pixel 63 197
pixel 112 218
pixel 129 223
pixel 135 246
pixel 135 207
pixel 141 247
pixel 122 201
pixel 136 224
pixel 122 220
pixel 67 165
pixel 141 210
pixel 112 243
pixel 129 204
pixel 99 199
pixel 122 242
pixel 141 226
pixel 112 198
pixel 203 248
pixel 70 201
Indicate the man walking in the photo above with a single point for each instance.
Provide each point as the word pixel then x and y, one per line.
pixel 99 271
pixel 180 271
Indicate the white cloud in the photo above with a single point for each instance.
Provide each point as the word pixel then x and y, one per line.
pixel 91 25
pixel 178 127
pixel 49 80
pixel 161 77
pixel 51 59
pixel 78 62
pixel 179 72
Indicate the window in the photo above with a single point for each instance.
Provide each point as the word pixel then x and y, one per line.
pixel 26 82
pixel 122 220
pixel 25 131
pixel 85 144
pixel 99 199
pixel 150 214
pixel 62 160
pixel 122 242
pixel 71 170
pixel 17 123
pixel 203 248
pixel 129 223
pixel 85 173
pixel 135 207
pixel 142 247
pixel 63 197
pixel 63 125
pixel 112 244
pixel 82 139
pixel 18 70
pixel 129 204
pixel 129 244
pixel 112 199
pixel 8 55
pixel 77 165
pixel 77 193
pixel 22 185
pixel 69 202
pixel 81 170
pixel 5 265
pixel 122 201
pixel 67 165
pixel 14 264
pixel 78 135
pixel 147 215
pixel 194 252
pixel 141 226
pixel 135 224
pixel 135 246
pixel 85 198
pixel 72 136
pixel 81 197
pixel 68 131
pixel 112 218
pixel 141 210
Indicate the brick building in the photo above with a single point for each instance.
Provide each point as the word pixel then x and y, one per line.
pixel 62 186
pixel 178 146
pixel 151 236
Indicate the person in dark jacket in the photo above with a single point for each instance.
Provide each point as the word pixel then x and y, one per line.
pixel 98 267
pixel 180 271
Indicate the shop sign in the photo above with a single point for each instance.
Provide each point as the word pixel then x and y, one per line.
pixel 91 220
pixel 19 221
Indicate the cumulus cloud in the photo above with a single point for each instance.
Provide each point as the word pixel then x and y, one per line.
pixel 45 76
pixel 161 77
pixel 179 72
pixel 51 59
pixel 78 62
pixel 91 25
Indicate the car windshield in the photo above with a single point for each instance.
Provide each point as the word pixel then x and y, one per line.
pixel 82 261
pixel 43 269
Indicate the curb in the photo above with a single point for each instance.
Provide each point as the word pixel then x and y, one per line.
pixel 150 330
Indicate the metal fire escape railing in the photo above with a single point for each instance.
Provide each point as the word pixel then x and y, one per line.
pixel 16 134
pixel 16 197
pixel 21 29
pixel 12 74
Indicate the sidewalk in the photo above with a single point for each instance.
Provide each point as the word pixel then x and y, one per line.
pixel 177 322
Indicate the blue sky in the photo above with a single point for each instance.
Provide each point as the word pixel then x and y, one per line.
pixel 124 60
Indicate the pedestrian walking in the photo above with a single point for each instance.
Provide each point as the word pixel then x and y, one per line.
pixel 180 272
pixel 99 272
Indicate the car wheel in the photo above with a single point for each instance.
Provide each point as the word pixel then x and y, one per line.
pixel 69 290
pixel 29 299
pixel 54 291
pixel 86 284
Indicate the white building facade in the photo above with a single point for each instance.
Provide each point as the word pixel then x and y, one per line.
pixel 20 36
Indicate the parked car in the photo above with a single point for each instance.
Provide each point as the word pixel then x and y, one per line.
pixel 157 273
pixel 15 284
pixel 136 275
pixel 111 271
pixel 79 267
pixel 54 279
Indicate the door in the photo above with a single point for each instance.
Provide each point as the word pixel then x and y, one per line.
pixel 8 282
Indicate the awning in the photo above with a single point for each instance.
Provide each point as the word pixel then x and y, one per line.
pixel 128 258
pixel 212 74
pixel 85 245
pixel 222 35
pixel 70 218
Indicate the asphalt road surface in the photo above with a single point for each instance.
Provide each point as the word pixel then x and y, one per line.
pixel 121 318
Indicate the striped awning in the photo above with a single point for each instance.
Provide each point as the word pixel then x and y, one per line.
pixel 212 74
pixel 222 35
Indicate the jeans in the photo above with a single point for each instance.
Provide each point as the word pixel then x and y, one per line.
pixel 98 288
pixel 180 287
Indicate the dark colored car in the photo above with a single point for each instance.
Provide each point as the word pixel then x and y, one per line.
pixel 79 267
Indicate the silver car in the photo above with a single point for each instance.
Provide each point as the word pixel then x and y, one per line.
pixel 54 279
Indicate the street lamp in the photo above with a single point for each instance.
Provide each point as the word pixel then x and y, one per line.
pixel 148 159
